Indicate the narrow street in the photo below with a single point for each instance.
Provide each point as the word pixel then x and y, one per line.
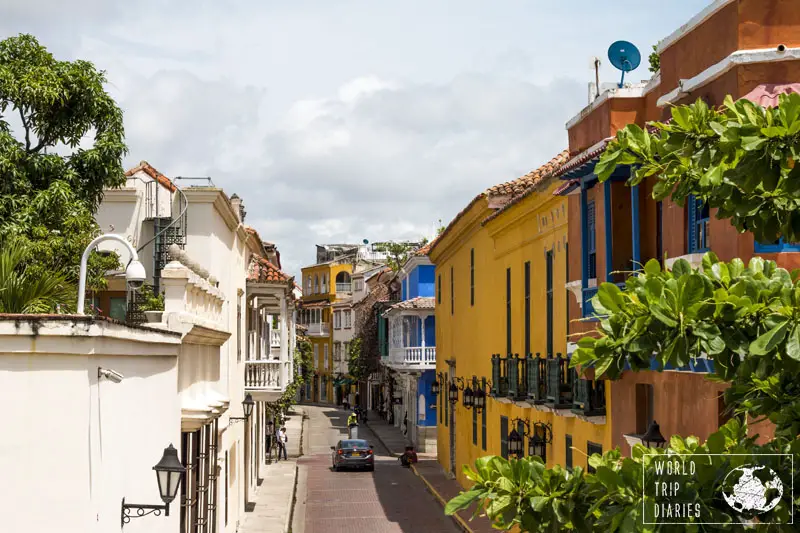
pixel 390 500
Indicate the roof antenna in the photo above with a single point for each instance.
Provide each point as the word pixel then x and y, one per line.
pixel 625 57
pixel 596 65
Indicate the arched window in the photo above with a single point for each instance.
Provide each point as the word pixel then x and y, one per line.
pixel 343 282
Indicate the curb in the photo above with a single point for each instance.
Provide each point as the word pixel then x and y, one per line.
pixel 287 525
pixel 457 519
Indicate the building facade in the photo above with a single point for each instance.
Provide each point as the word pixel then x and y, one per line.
pixel 411 335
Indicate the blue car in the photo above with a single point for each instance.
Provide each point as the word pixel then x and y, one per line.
pixel 353 453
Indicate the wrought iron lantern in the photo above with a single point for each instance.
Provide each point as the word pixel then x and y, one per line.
pixel 452 393
pixel 247 405
pixel 468 398
pixel 541 436
pixel 169 472
pixel 435 387
pixel 653 437
pixel 480 399
pixel 515 443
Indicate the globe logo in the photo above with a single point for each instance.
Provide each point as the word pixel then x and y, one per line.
pixel 752 489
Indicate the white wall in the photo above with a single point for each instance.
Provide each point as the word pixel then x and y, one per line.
pixel 74 446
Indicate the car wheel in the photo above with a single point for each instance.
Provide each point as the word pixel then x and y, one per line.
pixel 371 468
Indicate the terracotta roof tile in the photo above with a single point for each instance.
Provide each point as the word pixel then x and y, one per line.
pixel 151 171
pixel 520 185
pixel 419 302
pixel 427 248
pixel 262 271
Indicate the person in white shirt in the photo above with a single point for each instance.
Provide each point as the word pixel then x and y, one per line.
pixel 282 440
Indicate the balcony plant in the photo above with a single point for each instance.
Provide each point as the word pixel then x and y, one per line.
pixel 745 317
pixel 153 306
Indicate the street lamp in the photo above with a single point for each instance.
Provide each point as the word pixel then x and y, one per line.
pixel 468 399
pixel 134 273
pixel 452 393
pixel 435 387
pixel 653 437
pixel 247 407
pixel 514 443
pixel 169 471
pixel 541 436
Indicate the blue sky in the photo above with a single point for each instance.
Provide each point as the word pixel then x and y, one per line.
pixel 339 121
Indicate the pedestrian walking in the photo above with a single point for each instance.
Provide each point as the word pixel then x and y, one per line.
pixel 283 439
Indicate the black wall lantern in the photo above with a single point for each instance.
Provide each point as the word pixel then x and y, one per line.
pixel 169 471
pixel 452 393
pixel 515 443
pixel 436 388
pixel 468 398
pixel 653 437
pixel 541 436
pixel 247 407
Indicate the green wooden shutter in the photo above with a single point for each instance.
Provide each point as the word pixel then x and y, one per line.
pixel 504 436
pixel 483 420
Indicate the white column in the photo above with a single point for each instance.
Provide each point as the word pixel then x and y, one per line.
pixel 422 333
pixel 284 357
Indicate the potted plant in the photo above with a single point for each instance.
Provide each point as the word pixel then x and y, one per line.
pixel 153 305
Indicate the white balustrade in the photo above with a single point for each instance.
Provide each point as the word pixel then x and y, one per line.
pixel 275 338
pixel 344 287
pixel 413 356
pixel 263 375
pixel 318 329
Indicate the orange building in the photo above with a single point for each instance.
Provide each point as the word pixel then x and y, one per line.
pixel 743 48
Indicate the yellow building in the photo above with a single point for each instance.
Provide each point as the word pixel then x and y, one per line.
pixel 500 289
pixel 320 284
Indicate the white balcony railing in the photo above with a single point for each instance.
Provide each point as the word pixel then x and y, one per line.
pixel 263 375
pixel 319 329
pixel 344 287
pixel 275 338
pixel 411 357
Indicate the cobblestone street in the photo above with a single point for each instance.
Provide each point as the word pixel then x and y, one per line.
pixel 390 500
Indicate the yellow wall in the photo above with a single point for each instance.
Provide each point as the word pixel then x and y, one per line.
pixel 471 334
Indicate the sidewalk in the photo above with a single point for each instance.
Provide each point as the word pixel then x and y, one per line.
pixel 430 471
pixel 391 437
pixel 274 497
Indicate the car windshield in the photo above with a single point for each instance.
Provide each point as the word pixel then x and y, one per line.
pixel 353 444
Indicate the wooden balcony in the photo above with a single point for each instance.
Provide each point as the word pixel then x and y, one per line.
pixel 266 380
pixel 412 358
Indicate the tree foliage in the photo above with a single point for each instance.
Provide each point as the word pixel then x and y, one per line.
pixel 524 493
pixel 397 252
pixel 24 290
pixel 655 60
pixel 68 146
pixel 739 159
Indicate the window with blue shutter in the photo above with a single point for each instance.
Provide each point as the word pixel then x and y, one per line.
pixel 699 221
pixel 504 436
pixel 776 247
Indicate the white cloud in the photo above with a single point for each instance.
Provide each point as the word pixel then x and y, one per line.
pixel 338 121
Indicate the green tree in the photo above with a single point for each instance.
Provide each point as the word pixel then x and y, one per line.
pixel 746 318
pixel 68 146
pixel 397 252
pixel 655 60
pixel 356 364
pixel 24 290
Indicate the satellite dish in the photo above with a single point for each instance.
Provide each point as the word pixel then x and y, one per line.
pixel 624 56
pixel 365 241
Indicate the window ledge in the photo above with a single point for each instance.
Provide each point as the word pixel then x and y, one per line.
pixel 576 288
pixel 694 259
